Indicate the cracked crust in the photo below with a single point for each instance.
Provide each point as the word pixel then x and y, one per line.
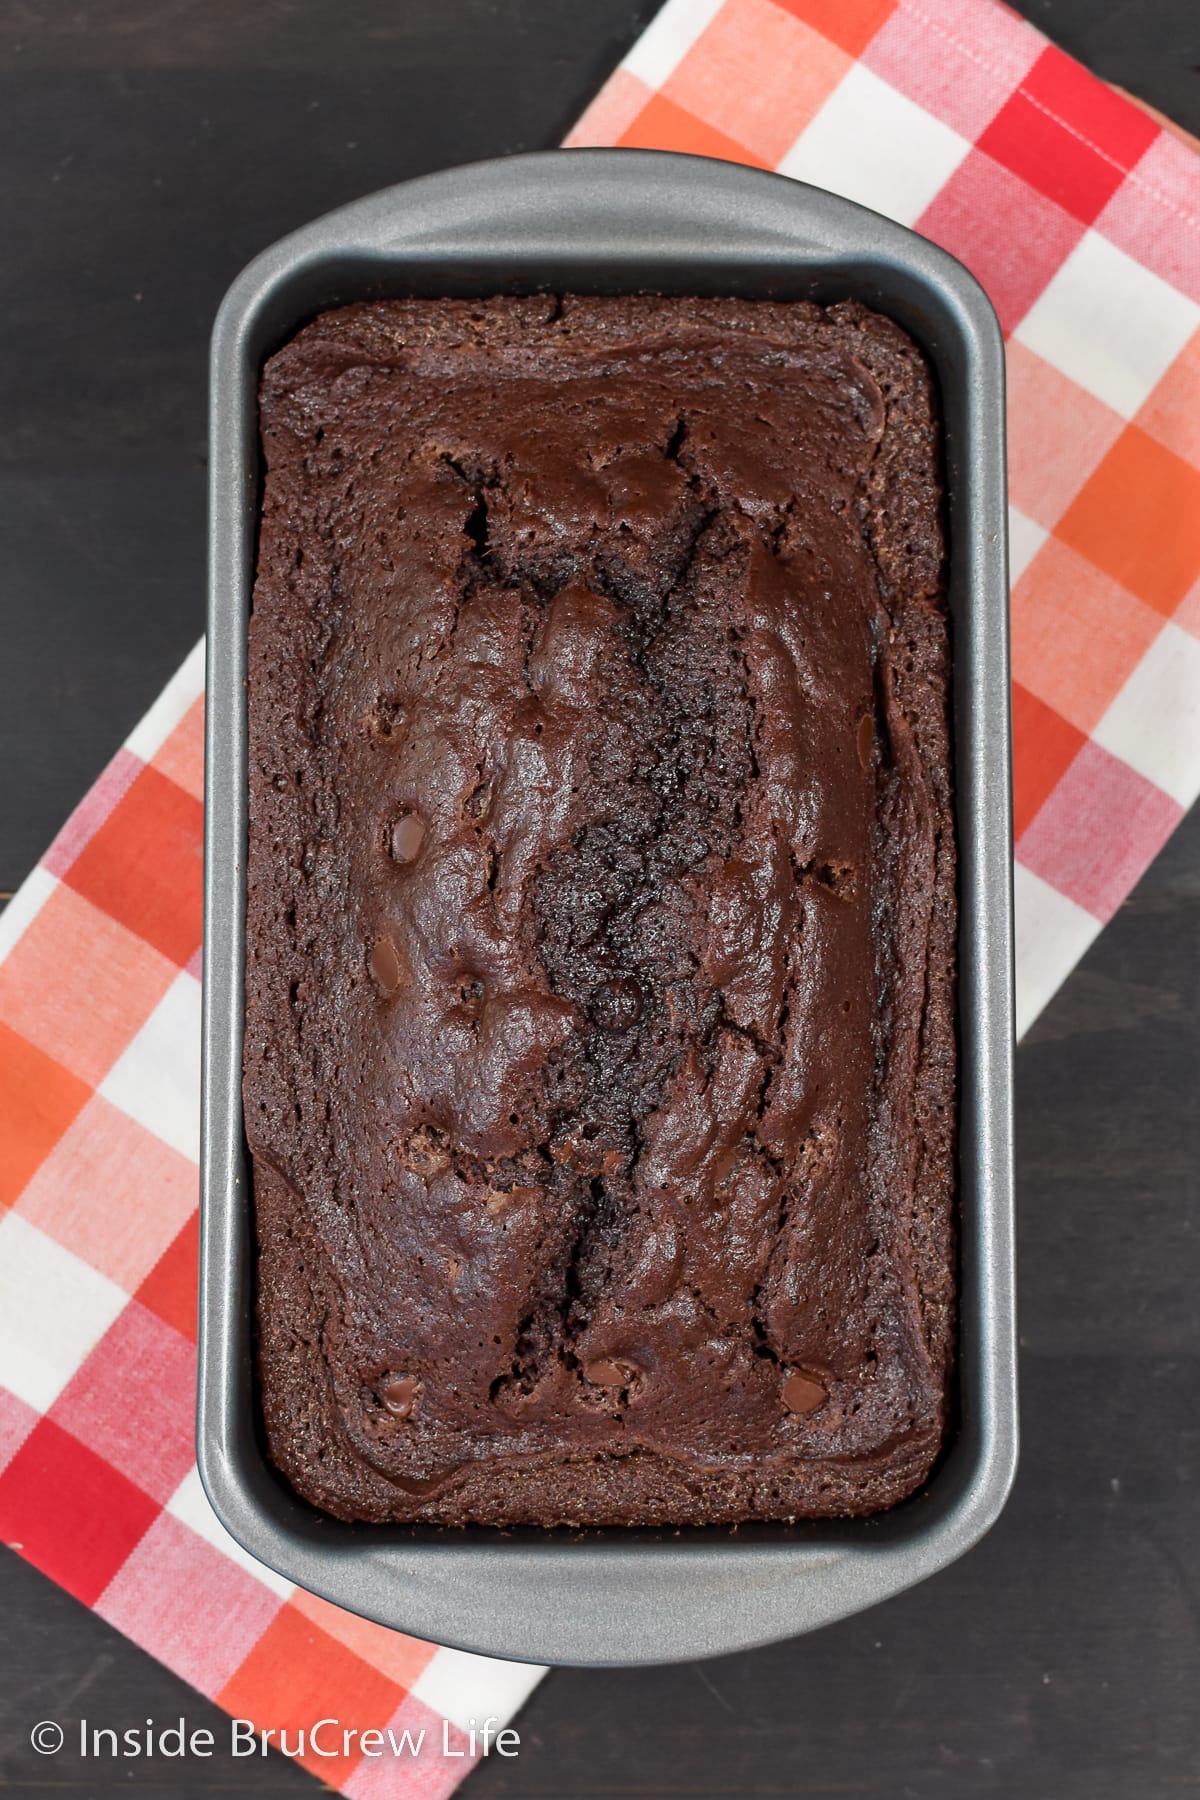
pixel 599 1071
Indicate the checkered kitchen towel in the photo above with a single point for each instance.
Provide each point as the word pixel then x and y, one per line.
pixel 1082 218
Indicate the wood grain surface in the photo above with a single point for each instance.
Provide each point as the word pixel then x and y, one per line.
pixel 146 152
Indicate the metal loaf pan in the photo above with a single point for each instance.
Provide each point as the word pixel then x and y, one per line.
pixel 600 221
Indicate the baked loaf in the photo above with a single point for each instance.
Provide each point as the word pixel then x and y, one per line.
pixel 599 1058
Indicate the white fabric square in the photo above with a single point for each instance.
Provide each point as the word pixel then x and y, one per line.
pixel 157 1079
pixel 1154 722
pixel 190 1505
pixel 668 38
pixel 1052 934
pixel 155 727
pixel 1025 539
pixel 871 144
pixel 463 1687
pixel 25 906
pixel 1108 323
pixel 54 1309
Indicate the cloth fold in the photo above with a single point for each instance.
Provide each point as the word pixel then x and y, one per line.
pixel 1080 213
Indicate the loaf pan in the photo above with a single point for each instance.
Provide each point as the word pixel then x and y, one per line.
pixel 613 221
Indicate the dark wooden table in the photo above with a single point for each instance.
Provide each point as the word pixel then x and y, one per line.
pixel 146 152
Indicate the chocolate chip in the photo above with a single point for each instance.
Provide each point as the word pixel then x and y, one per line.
pixel 400 1394
pixel 500 1199
pixel 583 1157
pixel 385 718
pixel 406 837
pixel 802 1394
pixel 611 1372
pixel 866 741
pixel 384 964
pixel 425 1152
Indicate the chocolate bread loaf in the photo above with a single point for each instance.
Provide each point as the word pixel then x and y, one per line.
pixel 599 1058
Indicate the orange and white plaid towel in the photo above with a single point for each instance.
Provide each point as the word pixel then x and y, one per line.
pixel 1081 216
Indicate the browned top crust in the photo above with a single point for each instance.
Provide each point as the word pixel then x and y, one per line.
pixel 599 1066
